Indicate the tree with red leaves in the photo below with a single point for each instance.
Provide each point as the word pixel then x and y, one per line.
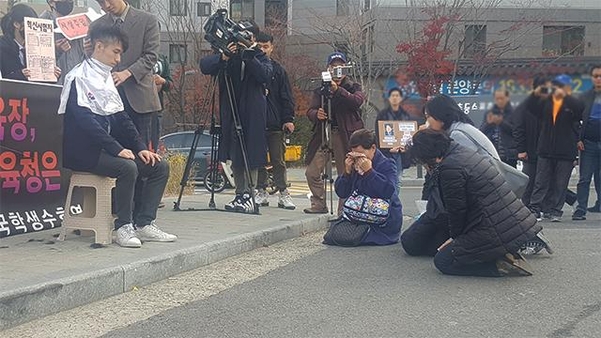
pixel 427 59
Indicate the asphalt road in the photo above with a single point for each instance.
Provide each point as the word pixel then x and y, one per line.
pixel 301 288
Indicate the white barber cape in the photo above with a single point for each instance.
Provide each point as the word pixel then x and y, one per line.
pixel 95 88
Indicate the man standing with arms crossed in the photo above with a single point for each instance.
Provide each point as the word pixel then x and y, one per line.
pixel 280 117
pixel 133 76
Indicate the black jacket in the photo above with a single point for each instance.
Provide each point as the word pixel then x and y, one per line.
pixel 557 140
pixel 249 92
pixel 486 220
pixel 10 64
pixel 503 141
pixel 280 102
pixel 525 132
pixel 588 99
pixel 86 134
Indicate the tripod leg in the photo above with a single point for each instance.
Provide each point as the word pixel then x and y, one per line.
pixel 186 174
pixel 214 160
pixel 240 135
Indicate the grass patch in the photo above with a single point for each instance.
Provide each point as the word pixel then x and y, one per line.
pixel 177 164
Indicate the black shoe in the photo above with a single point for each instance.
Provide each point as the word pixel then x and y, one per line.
pixel 579 215
pixel 245 204
pixel 231 206
pixel 595 208
pixel 571 197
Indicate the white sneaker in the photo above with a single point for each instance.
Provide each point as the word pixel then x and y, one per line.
pixel 151 233
pixel 262 198
pixel 285 201
pixel 126 237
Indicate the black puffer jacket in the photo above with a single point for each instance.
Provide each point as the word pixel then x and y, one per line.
pixel 486 220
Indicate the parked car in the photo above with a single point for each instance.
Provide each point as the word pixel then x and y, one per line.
pixel 181 142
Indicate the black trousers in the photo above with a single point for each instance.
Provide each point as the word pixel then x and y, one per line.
pixel 142 121
pixel 529 168
pixel 552 178
pixel 424 236
pixel 276 147
pixel 447 264
pixel 129 174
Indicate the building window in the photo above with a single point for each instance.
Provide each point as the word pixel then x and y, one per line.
pixel 178 53
pixel 342 7
pixel 178 7
pixel 367 5
pixel 242 9
pixel 563 40
pixel 203 9
pixel 474 43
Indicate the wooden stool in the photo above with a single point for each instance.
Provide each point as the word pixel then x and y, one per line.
pixel 96 215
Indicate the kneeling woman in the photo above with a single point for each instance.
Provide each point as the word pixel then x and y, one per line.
pixel 487 223
pixel 369 180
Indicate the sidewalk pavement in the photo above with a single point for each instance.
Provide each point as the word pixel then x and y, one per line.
pixel 40 275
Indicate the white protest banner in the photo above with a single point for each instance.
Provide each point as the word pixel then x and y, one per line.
pixel 39 49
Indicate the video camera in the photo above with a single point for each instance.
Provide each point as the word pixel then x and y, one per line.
pixel 339 71
pixel 220 31
pixel 334 73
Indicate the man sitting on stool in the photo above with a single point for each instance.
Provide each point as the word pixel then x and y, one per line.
pixel 101 139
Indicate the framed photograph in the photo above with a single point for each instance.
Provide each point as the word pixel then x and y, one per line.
pixel 395 133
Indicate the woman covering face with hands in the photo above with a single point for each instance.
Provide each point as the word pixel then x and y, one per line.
pixel 369 173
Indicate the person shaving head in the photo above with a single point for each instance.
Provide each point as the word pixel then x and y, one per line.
pixel 95 87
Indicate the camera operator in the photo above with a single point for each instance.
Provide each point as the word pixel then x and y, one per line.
pixel 559 116
pixel 280 120
pixel 249 69
pixel 345 117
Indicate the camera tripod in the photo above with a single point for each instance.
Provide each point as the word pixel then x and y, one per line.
pixel 326 146
pixel 216 136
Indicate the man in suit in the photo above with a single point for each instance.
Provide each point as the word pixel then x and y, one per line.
pixel 133 76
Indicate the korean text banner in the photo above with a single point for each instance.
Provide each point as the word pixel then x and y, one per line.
pixel 32 182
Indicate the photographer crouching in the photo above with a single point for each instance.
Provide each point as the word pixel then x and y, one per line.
pixel 246 68
pixel 346 99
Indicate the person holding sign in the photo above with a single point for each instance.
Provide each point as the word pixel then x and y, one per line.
pixel 68 53
pixel 13 64
pixel 394 112
pixel 99 137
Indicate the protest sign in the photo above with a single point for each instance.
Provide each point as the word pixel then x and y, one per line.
pixel 32 182
pixel 395 133
pixel 74 26
pixel 39 47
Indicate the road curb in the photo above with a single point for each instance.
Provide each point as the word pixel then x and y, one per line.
pixel 22 305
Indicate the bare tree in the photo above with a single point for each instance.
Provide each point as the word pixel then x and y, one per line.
pixel 188 102
pixel 352 32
